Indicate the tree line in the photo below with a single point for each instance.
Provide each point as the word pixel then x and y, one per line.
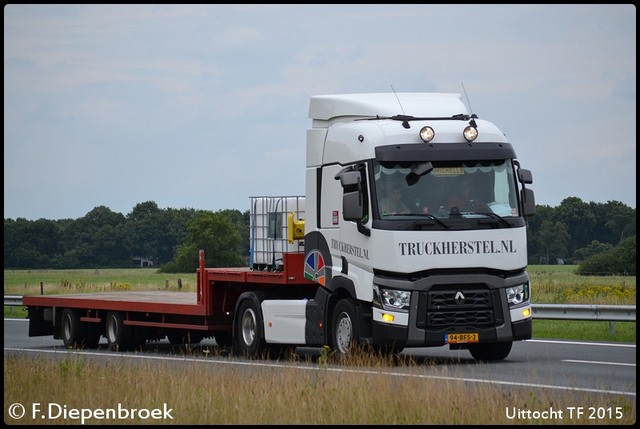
pixel 598 236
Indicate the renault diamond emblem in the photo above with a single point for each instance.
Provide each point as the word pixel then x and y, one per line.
pixel 459 298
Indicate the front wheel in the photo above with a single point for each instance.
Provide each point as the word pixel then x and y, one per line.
pixel 490 351
pixel 248 336
pixel 344 329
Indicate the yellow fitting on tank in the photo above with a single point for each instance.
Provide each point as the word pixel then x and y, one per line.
pixel 295 228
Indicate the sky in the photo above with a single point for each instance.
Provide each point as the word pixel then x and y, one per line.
pixel 204 106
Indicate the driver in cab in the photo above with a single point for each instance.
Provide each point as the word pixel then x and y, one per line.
pixel 391 202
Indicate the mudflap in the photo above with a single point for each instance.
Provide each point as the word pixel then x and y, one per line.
pixel 40 321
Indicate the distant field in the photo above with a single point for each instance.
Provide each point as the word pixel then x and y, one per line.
pixel 559 284
pixel 28 282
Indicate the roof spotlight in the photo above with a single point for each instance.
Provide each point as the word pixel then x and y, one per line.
pixel 427 134
pixel 470 133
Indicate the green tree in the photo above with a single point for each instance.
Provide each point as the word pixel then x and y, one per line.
pixel 579 220
pixel 619 260
pixel 614 222
pixel 31 244
pixel 217 235
pixel 96 239
pixel 592 249
pixel 553 239
pixel 143 231
pixel 537 248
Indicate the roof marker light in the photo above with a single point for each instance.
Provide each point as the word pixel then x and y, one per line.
pixel 470 133
pixel 427 134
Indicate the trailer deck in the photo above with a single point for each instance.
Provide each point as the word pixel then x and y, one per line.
pixel 151 301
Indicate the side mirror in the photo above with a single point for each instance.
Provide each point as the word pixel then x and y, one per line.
pixel 528 202
pixel 525 176
pixel 353 197
pixel 349 179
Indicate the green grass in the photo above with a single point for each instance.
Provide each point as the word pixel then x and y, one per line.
pixel 558 284
pixel 585 330
pixel 358 392
pixel 35 282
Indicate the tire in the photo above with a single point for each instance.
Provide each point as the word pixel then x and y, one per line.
pixel 119 336
pixel 344 327
pixel 490 351
pixel 73 330
pixel 249 338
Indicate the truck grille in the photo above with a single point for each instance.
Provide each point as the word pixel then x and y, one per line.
pixel 446 307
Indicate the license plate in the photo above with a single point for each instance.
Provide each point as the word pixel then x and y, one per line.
pixel 467 337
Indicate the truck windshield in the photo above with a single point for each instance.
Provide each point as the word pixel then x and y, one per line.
pixel 450 190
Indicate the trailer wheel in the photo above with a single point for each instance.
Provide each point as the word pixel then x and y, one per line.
pixel 344 329
pixel 73 330
pixel 119 336
pixel 249 340
pixel 490 351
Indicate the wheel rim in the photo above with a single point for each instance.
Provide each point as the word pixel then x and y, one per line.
pixel 112 330
pixel 249 327
pixel 343 333
pixel 67 327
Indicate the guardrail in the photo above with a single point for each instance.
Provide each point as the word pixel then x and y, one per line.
pixel 12 300
pixel 624 313
pixel 610 313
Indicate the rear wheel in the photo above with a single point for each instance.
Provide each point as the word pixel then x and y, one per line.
pixel 344 329
pixel 490 351
pixel 119 336
pixel 73 330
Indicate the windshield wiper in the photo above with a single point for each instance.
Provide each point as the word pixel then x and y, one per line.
pixel 421 223
pixel 491 215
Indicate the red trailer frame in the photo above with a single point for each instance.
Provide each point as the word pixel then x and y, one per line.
pixel 208 311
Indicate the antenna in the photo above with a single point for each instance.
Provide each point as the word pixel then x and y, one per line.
pixel 398 98
pixel 465 94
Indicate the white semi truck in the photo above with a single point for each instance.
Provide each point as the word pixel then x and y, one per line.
pixel 412 233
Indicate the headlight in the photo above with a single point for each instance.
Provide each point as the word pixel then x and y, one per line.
pixel 390 299
pixel 518 294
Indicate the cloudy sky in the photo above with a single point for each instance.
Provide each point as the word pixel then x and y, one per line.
pixel 203 106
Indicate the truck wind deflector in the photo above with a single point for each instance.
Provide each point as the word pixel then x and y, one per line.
pixel 450 152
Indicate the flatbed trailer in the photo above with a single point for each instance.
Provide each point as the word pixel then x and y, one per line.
pixel 128 319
